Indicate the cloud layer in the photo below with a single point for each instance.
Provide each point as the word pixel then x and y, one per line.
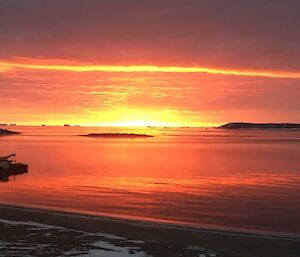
pixel 245 58
pixel 232 34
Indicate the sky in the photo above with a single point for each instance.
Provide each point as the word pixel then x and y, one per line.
pixel 140 62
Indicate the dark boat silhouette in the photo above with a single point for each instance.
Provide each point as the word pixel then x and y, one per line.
pixel 9 168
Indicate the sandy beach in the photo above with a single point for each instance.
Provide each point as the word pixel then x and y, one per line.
pixel 33 232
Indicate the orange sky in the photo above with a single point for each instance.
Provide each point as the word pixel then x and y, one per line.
pixel 135 63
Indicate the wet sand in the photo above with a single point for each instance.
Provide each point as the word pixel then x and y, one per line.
pixel 32 232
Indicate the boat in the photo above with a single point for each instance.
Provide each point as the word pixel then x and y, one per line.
pixel 9 167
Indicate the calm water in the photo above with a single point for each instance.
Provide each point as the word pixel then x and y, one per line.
pixel 204 177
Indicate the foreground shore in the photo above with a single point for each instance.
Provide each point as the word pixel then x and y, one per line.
pixel 30 232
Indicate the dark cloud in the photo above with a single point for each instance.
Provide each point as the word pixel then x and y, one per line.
pixel 256 34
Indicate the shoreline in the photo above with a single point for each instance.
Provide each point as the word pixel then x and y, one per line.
pixel 136 221
pixel 186 240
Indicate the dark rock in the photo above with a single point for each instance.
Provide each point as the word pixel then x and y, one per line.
pixel 117 135
pixel 244 125
pixel 8 132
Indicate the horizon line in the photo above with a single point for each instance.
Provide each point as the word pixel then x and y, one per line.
pixel 103 126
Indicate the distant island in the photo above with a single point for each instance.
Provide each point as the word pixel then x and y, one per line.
pixel 245 125
pixel 117 135
pixel 4 132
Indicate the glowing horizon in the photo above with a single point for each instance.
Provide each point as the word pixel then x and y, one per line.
pixel 6 66
pixel 47 92
pixel 122 117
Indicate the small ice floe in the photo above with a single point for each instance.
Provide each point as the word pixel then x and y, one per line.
pixel 207 255
pixel 136 241
pixel 197 248
pixel 203 251
pixel 110 236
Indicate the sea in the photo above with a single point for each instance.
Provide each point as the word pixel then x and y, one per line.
pixel 243 180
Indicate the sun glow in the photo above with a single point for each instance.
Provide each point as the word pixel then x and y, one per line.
pixel 127 117
pixel 121 117
pixel 137 123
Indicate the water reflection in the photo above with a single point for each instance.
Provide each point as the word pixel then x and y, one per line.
pixel 246 179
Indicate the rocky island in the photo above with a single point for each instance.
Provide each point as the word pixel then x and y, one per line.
pixel 4 132
pixel 117 135
pixel 245 125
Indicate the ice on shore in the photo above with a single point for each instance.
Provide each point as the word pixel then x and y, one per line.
pixel 85 244
pixel 106 249
pixel 25 238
